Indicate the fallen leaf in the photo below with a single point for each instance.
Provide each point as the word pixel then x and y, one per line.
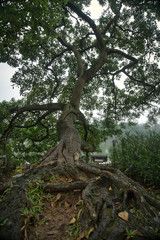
pixel 124 215
pixel 81 236
pixel 52 232
pixel 58 197
pixel 73 220
pixel 69 180
pixel 89 232
pixel 53 204
pixel 66 204
pixel 53 212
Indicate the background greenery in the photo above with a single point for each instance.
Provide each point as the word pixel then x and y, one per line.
pixel 138 155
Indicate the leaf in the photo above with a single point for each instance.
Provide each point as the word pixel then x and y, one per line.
pixel 79 213
pixel 73 220
pixel 4 222
pixel 66 204
pixel 53 204
pixel 81 236
pixel 70 180
pixel 58 197
pixel 51 232
pixel 89 232
pixel 124 215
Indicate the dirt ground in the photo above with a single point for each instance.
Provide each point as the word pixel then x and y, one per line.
pixel 56 219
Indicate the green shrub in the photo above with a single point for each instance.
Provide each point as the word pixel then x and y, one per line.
pixel 138 155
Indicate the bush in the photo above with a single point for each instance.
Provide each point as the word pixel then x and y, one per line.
pixel 138 155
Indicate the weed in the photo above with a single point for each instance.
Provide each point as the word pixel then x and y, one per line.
pixel 155 230
pixel 18 169
pixel 74 229
pixel 132 233
pixel 2 197
pixel 4 222
pixel 36 197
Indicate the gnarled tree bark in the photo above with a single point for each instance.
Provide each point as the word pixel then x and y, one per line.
pixel 113 203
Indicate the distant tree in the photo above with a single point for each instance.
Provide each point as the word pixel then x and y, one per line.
pixel 68 66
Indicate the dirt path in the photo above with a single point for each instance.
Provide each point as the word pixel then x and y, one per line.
pixel 54 222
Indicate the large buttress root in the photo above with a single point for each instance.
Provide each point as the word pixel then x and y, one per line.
pixel 116 204
pixel 113 203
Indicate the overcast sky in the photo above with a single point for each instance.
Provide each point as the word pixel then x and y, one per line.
pixel 6 90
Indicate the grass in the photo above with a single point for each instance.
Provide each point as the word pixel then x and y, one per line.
pixel 138 155
pixel 36 197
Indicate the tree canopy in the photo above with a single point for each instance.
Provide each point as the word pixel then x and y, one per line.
pixel 63 55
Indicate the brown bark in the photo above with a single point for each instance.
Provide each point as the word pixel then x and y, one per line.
pixel 112 203
pixel 68 149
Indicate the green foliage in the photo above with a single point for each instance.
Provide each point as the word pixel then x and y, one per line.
pixel 42 39
pixel 24 24
pixel 24 142
pixel 138 155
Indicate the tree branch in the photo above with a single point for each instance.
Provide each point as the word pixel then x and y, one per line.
pixel 136 80
pixel 117 51
pixel 54 57
pixel 38 121
pixel 76 53
pixel 91 23
pixel 133 60
pixel 52 107
pixel 90 73
pixel 110 23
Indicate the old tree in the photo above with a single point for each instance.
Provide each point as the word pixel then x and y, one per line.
pixel 68 66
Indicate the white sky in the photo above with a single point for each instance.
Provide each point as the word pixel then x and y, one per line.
pixel 6 90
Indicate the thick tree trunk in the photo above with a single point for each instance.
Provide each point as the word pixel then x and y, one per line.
pixel 68 149
pixel 114 206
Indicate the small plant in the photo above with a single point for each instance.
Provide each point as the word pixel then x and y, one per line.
pixel 18 169
pixel 36 197
pixel 4 222
pixel 131 233
pixel 155 230
pixel 25 212
pixel 2 197
pixel 74 229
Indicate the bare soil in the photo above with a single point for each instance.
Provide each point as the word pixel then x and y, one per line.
pixel 56 217
pixel 55 221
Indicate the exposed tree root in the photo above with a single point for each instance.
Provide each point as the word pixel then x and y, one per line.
pixel 113 203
